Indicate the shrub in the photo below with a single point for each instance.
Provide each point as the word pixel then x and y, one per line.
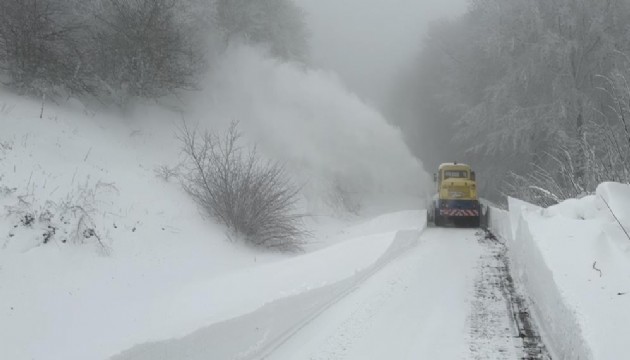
pixel 278 24
pixel 145 48
pixel 38 46
pixel 254 198
pixel 166 172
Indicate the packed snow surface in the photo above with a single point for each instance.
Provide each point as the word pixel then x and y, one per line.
pixel 417 307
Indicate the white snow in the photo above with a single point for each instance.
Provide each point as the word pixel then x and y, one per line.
pixel 164 272
pixel 77 299
pixel 260 332
pixel 558 254
pixel 131 258
pixel 240 292
pixel 417 307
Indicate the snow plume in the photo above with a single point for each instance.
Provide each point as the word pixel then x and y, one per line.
pixel 344 152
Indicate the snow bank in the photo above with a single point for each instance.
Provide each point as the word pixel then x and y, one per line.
pixel 240 292
pixel 574 261
pixel 254 334
pixel 499 222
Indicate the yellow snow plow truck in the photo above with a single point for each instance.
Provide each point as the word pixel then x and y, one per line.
pixel 456 201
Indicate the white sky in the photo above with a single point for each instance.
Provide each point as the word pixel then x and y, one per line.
pixel 367 42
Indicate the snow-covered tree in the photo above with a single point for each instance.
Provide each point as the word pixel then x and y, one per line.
pixel 516 86
pixel 38 48
pixel 145 48
pixel 278 24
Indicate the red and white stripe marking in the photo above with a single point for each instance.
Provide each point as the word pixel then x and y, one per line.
pixel 458 212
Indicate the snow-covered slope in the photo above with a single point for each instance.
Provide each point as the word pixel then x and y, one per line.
pixel 99 253
pixel 89 233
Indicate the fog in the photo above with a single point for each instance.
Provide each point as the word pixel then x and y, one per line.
pixel 323 120
pixel 367 42
pixel 342 150
pixel 528 92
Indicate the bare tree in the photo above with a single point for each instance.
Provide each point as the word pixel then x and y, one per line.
pixel 279 24
pixel 513 86
pixel 38 49
pixel 604 149
pixel 144 48
pixel 252 197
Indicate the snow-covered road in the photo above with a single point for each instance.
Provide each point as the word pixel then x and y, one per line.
pixel 425 305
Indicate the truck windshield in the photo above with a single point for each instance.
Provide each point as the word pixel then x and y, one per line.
pixel 458 174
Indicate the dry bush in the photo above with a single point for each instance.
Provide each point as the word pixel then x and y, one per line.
pixel 545 187
pixel 577 167
pixel 254 198
pixel 279 24
pixel 144 48
pixel 342 199
pixel 79 210
pixel 74 219
pixel 166 172
pixel 39 51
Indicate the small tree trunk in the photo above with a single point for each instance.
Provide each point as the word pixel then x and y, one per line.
pixel 581 155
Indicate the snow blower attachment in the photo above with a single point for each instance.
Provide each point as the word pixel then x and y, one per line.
pixel 456 202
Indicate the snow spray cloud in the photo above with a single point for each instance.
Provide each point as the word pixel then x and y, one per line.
pixel 326 136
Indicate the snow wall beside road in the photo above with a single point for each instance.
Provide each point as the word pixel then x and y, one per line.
pixel 573 260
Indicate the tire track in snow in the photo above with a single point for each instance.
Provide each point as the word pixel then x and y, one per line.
pixel 452 297
pixel 500 320
pixel 338 345
pixel 414 308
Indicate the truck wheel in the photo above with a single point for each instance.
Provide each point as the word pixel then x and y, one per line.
pixel 437 218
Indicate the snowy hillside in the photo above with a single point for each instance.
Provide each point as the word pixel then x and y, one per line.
pixel 90 233
pixel 100 249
